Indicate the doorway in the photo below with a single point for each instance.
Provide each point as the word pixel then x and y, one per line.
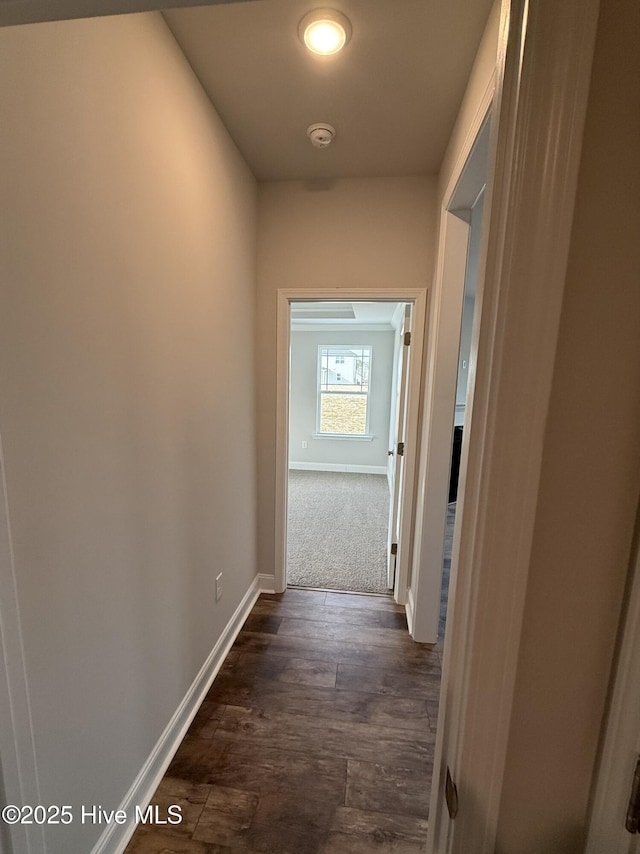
pixel 467 204
pixel 347 409
pixel 451 369
pixel 348 393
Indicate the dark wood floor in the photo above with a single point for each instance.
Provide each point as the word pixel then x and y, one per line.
pixel 316 736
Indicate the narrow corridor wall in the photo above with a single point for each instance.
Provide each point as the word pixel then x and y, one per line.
pixel 126 269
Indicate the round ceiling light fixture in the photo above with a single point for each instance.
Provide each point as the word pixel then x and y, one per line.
pixel 324 31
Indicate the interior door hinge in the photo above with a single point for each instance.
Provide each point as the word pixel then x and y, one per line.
pixel 633 811
pixel 407 339
pixel 394 548
pixel 401 449
pixel 451 794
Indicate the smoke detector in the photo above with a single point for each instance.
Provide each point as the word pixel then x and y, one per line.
pixel 321 134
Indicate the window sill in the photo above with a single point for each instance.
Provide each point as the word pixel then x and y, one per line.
pixel 364 438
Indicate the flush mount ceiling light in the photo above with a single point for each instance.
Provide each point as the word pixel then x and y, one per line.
pixel 324 31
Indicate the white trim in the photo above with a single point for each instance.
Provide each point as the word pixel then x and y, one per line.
pixel 417 296
pixel 116 837
pixel 266 583
pixel 437 426
pixel 368 437
pixel 17 746
pixel 283 347
pixel 343 467
pixel 473 132
pixel 410 610
pixel 537 125
pixel 607 833
pixel 440 409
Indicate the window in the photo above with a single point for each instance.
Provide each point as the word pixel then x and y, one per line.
pixel 343 395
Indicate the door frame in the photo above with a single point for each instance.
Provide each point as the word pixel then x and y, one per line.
pixel 612 781
pixel 17 746
pixel 440 396
pixel 285 296
pixel 543 70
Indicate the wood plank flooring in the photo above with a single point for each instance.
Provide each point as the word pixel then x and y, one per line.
pixel 316 737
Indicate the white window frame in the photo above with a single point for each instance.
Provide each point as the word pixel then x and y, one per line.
pixel 319 434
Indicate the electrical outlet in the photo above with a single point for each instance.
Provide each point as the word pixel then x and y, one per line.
pixel 218 587
pixel 305 444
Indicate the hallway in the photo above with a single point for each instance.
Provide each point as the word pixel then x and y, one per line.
pixel 316 736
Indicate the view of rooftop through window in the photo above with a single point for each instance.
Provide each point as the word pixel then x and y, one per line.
pixel 343 389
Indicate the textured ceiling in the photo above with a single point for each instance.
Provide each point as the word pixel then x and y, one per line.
pixel 392 94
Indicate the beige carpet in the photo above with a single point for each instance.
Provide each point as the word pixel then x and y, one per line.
pixel 337 531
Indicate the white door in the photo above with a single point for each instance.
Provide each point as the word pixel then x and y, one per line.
pixel 607 831
pixel 397 451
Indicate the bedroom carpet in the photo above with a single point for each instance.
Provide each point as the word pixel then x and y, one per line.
pixel 337 531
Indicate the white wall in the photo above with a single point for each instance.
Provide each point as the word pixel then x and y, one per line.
pixel 480 80
pixel 354 233
pixel 304 398
pixel 128 243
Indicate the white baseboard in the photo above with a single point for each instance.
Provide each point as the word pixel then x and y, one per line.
pixel 421 635
pixel 115 838
pixel 266 583
pixel 410 610
pixel 343 467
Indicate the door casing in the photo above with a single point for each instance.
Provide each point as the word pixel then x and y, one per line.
pixel 17 749
pixel 466 184
pixel 621 745
pixel 543 67
pixel 285 296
